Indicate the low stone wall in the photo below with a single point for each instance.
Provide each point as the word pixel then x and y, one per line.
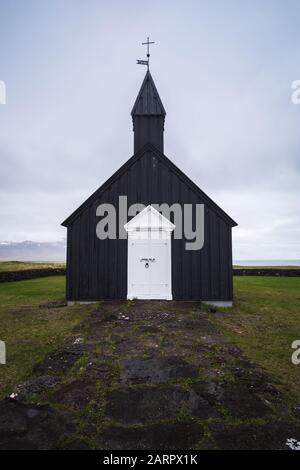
pixel 8 276
pixel 266 272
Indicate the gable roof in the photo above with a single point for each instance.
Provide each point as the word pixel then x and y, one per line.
pixel 149 147
pixel 148 101
pixel 149 218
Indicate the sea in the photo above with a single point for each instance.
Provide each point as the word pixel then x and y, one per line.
pixel 266 262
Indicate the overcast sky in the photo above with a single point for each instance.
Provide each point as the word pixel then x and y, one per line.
pixel 224 72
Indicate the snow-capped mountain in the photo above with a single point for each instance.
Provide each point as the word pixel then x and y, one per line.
pixel 33 251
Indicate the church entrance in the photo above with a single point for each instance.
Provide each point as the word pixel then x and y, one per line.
pixel 149 256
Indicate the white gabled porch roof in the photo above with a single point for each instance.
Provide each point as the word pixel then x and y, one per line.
pixel 149 219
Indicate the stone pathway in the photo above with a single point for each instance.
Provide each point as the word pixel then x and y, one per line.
pixel 147 375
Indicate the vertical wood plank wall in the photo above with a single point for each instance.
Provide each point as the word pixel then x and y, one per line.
pixel 97 269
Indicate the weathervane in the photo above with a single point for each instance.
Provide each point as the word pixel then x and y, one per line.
pixel 146 62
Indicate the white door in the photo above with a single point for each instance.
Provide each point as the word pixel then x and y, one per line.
pixel 149 255
pixel 149 268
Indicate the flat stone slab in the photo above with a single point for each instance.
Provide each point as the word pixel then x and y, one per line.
pixel 13 421
pixel 148 329
pixel 233 398
pixel 76 394
pixel 277 436
pixel 143 405
pixel 169 436
pixel 139 371
pixel 30 427
pixel 200 407
pixel 241 403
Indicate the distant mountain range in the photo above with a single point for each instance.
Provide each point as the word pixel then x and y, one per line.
pixel 56 251
pixel 33 251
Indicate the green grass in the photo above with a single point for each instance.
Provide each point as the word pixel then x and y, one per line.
pixel 32 292
pixel 264 322
pixel 24 265
pixel 31 331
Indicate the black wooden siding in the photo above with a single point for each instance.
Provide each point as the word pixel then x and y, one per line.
pixel 97 269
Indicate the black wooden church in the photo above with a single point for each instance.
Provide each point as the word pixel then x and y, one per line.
pixel 150 263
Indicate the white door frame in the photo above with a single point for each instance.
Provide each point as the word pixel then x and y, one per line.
pixel 149 227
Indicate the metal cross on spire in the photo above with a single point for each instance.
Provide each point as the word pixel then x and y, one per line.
pixel 146 62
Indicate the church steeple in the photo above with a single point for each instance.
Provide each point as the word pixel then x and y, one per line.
pixel 148 116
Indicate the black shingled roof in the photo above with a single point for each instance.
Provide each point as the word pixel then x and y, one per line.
pixel 148 101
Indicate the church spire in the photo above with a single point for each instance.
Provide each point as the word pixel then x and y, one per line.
pixel 148 116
